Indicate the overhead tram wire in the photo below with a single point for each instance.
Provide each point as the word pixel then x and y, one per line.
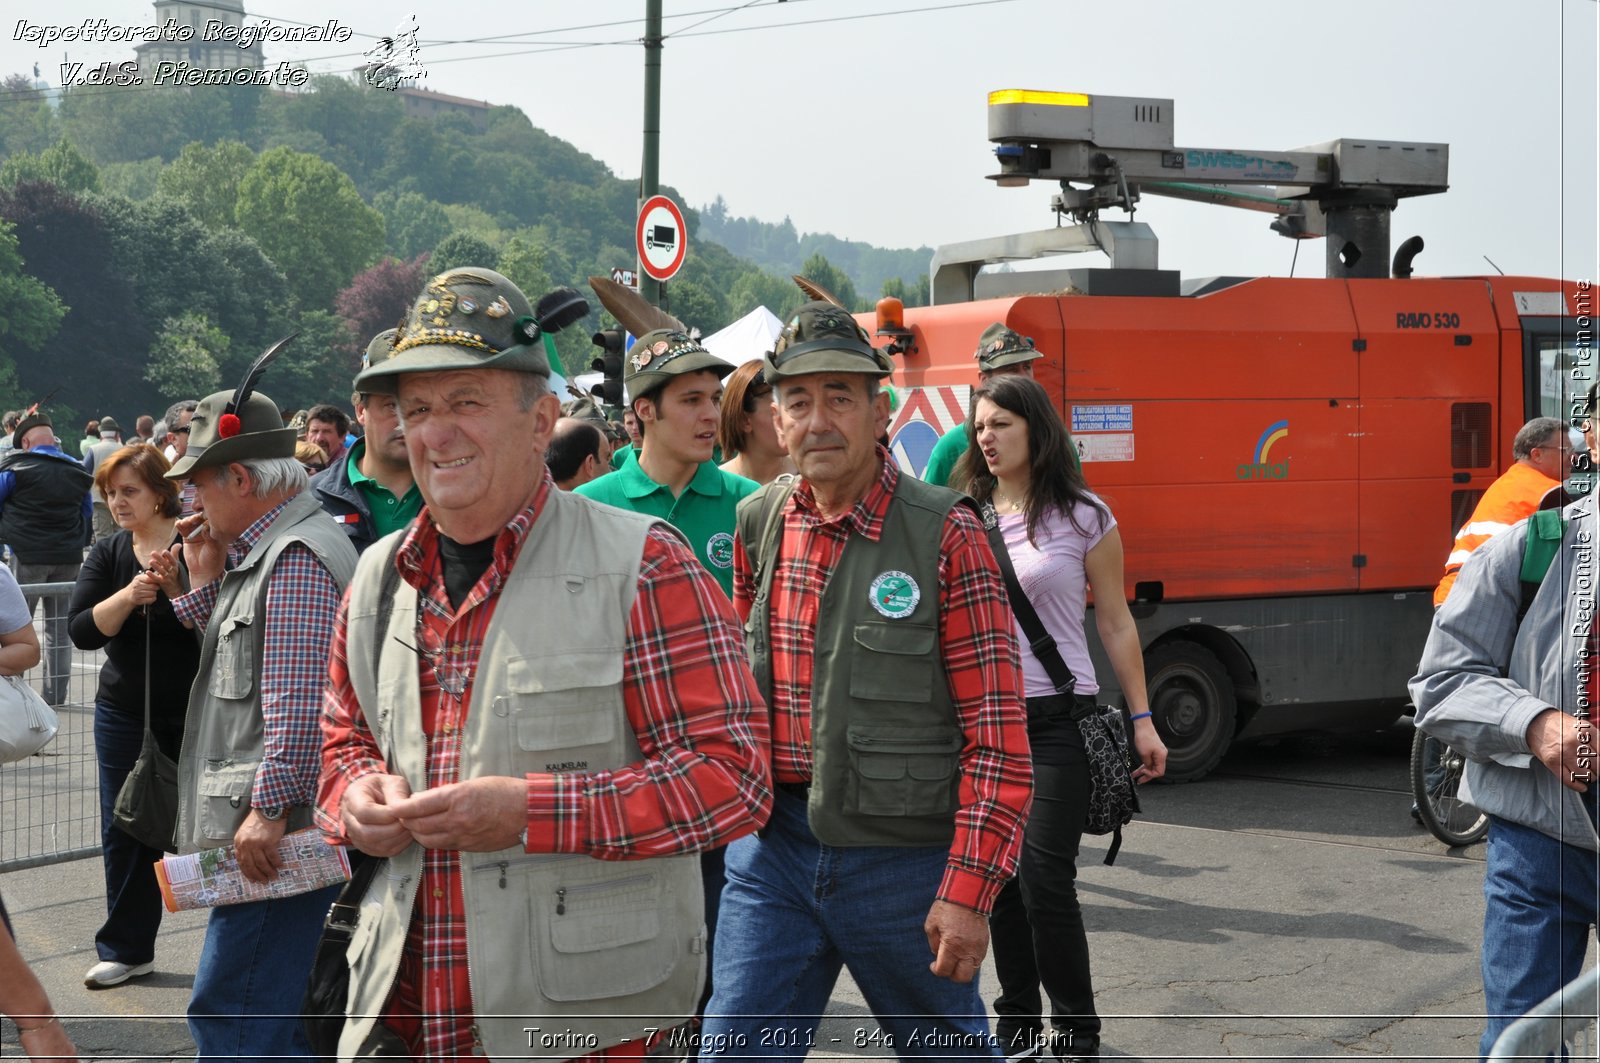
pixel 91 91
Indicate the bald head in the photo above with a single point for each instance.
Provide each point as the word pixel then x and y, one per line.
pixel 575 454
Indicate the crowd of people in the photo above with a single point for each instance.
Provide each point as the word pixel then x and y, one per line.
pixel 656 723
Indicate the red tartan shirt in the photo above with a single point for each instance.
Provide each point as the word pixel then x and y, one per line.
pixel 981 662
pixel 694 708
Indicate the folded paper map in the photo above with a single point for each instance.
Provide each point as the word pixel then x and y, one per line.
pixel 212 877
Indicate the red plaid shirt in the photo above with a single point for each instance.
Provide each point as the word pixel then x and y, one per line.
pixel 694 708
pixel 980 659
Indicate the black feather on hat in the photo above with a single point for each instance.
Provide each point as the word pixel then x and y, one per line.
pixel 237 425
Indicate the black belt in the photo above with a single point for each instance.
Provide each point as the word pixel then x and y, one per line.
pixel 1074 705
pixel 802 790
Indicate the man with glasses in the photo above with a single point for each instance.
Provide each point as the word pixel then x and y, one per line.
pixel 1543 452
pixel 176 444
pixel 539 712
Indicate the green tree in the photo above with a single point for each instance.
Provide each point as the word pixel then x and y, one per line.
pixel 310 220
pixel 317 366
pixel 819 270
pixel 696 305
pixel 62 164
pixel 462 249
pixel 206 179
pixel 757 287
pixel 33 312
pixel 27 122
pixel 135 180
pixel 414 223
pixel 464 217
pixel 186 356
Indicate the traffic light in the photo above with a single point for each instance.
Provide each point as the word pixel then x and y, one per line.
pixel 609 361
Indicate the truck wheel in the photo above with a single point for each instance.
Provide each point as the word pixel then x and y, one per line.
pixel 1194 706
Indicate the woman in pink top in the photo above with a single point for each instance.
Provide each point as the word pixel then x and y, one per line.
pixel 1062 540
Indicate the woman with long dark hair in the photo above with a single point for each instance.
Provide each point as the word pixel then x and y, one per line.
pixel 747 434
pixel 1061 539
pixel 123 603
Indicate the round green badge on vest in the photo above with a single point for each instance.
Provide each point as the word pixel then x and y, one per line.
pixel 719 550
pixel 894 594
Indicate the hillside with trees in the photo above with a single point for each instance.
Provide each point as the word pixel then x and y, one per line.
pixel 161 239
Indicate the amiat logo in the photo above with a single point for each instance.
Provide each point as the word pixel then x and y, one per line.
pixel 1264 468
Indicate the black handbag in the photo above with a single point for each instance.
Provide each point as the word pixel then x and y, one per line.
pixel 325 1006
pixel 146 808
pixel 1113 799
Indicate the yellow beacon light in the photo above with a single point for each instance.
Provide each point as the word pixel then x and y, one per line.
pixel 1043 99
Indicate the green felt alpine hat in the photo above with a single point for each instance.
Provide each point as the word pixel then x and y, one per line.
pixel 822 337
pixel 999 347
pixel 661 354
pixel 467 318
pixel 216 437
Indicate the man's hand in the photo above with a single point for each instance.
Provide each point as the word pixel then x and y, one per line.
pixel 369 820
pixel 958 938
pixel 256 844
pixel 1565 745
pixel 476 816
pixel 205 556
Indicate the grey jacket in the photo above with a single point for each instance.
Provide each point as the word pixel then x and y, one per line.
pixel 1482 679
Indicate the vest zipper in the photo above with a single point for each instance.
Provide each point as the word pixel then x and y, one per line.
pixel 562 892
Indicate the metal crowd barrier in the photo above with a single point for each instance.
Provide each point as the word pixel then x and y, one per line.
pixel 50 802
pixel 1562 1027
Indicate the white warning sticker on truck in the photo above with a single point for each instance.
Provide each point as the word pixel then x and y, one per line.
pixel 1104 446
pixel 1117 418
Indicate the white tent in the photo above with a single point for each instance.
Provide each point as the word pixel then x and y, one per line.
pixel 748 338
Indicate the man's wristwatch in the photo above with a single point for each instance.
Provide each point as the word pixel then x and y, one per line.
pixel 272 812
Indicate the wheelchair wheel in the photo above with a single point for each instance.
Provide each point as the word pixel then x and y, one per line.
pixel 1435 779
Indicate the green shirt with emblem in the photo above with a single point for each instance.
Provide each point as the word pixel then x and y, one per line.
pixel 388 512
pixel 705 511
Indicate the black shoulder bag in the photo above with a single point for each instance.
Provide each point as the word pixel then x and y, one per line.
pixel 146 808
pixel 325 1006
pixel 1113 801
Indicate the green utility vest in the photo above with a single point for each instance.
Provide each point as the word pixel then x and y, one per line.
pixel 223 735
pixel 601 949
pixel 885 742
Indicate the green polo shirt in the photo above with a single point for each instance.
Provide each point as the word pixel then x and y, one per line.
pixel 704 512
pixel 620 455
pixel 948 451
pixel 388 512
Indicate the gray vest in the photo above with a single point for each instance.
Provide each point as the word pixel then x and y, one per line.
pixel 223 739
pixel 601 949
pixel 885 741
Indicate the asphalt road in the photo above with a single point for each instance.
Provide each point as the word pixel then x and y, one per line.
pixel 1285 907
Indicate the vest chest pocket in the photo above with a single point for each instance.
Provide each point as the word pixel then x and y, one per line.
pixel 570 707
pixel 892 661
pixel 233 669
pixel 903 771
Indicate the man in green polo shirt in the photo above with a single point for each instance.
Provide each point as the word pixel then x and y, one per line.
pixel 675 390
pixel 1000 351
pixel 370 490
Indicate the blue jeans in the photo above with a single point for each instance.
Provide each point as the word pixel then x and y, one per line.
pixel 133 897
pixel 1540 897
pixel 794 911
pixel 252 977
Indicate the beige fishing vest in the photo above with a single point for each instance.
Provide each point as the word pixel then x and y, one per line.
pixel 567 954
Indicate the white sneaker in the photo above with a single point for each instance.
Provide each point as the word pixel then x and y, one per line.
pixel 108 973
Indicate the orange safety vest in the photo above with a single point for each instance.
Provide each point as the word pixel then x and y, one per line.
pixel 1509 499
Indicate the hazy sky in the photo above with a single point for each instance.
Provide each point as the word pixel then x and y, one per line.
pixel 873 128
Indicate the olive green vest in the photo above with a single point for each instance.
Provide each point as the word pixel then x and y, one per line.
pixel 223 736
pixel 885 741
pixel 601 949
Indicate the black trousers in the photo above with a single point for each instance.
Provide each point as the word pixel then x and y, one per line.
pixel 1036 928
